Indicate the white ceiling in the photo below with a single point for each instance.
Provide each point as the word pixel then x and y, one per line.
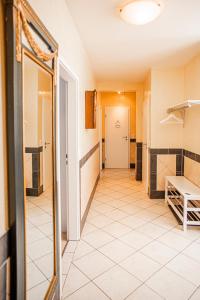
pixel 123 52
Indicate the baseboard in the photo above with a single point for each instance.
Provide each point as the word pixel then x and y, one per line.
pixel 89 203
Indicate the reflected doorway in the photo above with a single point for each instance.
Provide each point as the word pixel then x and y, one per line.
pixel 64 160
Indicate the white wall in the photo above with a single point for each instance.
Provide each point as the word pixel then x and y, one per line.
pixel 56 17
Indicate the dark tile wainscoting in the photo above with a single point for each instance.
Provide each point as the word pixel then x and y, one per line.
pixel 37 188
pixel 180 154
pixel 139 161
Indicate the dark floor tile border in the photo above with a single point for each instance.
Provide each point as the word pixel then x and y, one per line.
pixel 89 203
pixel 5 247
pixel 88 155
pixel 139 161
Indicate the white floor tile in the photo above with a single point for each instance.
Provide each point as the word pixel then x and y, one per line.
pixel 170 286
pixel 104 208
pixel 174 241
pixel 40 248
pixel 100 221
pixel 34 235
pixel 88 292
pixel 196 295
pixel 82 249
pixel 39 291
pixel 47 229
pixel 41 219
pixel 140 266
pixel 71 246
pixel 117 229
pixel 116 215
pixel 88 228
pixel 136 239
pixel 152 230
pixel 193 251
pixel 159 252
pixel 131 209
pixel 75 280
pixel 186 267
pixel 144 293
pixel 117 283
pixel 93 264
pixel 66 262
pixel 117 250
pixel 34 276
pixel 98 238
pixel 46 265
pixel 133 221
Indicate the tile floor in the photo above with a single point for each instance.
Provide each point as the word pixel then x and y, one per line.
pixel 39 233
pixel 131 248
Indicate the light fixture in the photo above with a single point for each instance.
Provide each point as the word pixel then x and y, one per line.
pixel 140 12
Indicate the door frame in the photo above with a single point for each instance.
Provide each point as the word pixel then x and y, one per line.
pixel 73 213
pixel 112 106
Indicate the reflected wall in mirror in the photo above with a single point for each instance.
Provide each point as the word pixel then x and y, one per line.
pixel 39 176
pixel 90 109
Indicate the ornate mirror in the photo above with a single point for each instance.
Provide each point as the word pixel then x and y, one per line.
pixel 31 66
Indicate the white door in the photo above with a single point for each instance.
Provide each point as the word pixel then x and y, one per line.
pixel 117 137
pixel 146 140
pixel 47 137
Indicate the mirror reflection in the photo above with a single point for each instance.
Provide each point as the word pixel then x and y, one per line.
pixel 38 169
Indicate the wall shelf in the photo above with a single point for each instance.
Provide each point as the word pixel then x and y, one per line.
pixel 184 105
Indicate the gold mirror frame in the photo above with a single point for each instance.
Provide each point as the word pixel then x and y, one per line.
pixel 20 19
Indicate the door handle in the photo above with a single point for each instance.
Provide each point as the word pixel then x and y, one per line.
pixel 125 137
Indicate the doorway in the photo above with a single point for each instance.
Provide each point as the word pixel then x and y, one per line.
pixel 117 137
pixel 64 160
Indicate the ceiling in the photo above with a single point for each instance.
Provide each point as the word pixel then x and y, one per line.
pixel 124 52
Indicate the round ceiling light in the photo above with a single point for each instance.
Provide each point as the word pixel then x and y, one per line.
pixel 140 12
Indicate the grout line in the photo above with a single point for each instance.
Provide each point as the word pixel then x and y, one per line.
pixel 138 250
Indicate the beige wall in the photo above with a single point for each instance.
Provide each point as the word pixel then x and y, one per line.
pixel 3 169
pixel 191 130
pixel 167 89
pixel 124 99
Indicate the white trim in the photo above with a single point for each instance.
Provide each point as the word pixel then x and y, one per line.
pixel 73 155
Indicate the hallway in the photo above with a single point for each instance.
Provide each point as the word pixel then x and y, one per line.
pixel 131 248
